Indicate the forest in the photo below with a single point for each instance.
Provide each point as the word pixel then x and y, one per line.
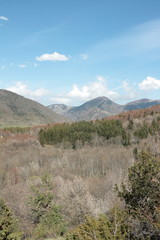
pixel 82 180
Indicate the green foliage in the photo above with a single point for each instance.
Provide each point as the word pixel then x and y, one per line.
pixel 154 127
pixel 8 225
pixel 46 215
pixel 142 195
pixel 145 129
pixel 109 128
pixel 142 132
pixel 80 131
pixel 125 138
pixel 113 226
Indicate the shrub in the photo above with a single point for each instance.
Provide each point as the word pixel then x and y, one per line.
pixel 142 195
pixel 111 227
pixel 8 225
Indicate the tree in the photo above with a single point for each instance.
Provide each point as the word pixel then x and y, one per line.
pixel 113 226
pixel 8 225
pixel 142 195
pixel 46 215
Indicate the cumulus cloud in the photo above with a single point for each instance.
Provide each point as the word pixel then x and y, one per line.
pixel 52 57
pixel 22 89
pixel 4 18
pixel 149 83
pixel 92 90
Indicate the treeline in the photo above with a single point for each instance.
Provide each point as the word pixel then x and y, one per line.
pixel 83 132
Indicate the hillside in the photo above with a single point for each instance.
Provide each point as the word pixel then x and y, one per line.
pixel 16 110
pixel 140 104
pixel 99 108
pixel 138 114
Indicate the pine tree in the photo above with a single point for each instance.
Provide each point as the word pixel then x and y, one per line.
pixel 8 225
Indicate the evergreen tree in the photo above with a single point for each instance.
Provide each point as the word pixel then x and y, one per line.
pixel 8 225
pixel 113 226
pixel 142 195
pixel 46 215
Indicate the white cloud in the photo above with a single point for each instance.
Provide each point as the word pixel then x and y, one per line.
pixel 22 65
pixel 92 90
pixel 28 64
pixel 84 56
pixel 4 18
pixel 61 100
pixel 22 89
pixel 149 83
pixel 52 57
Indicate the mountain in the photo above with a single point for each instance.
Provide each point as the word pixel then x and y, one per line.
pixel 60 108
pixel 16 110
pixel 94 109
pixel 99 108
pixel 140 104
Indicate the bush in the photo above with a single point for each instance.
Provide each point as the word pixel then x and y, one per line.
pixel 142 195
pixel 8 225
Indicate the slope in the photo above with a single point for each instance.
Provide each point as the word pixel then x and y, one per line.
pixel 16 110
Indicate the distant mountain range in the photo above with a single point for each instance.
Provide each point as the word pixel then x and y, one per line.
pixel 99 108
pixel 16 110
pixel 140 104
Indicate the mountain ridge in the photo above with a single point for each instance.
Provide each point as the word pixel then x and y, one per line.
pixel 16 110
pixel 102 107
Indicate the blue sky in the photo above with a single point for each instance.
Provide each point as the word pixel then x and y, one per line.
pixel 70 51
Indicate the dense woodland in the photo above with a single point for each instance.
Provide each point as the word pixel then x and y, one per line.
pixel 84 180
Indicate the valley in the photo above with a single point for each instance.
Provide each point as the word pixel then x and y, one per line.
pixel 75 167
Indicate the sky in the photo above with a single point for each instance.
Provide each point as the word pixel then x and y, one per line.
pixel 71 51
